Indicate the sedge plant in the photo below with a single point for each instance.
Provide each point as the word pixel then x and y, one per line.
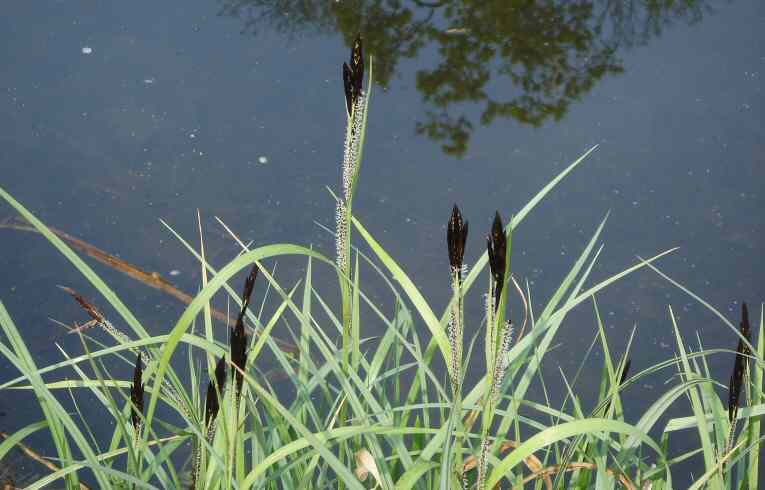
pixel 358 410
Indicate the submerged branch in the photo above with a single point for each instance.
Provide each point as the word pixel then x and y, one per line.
pixel 151 279
pixel 31 453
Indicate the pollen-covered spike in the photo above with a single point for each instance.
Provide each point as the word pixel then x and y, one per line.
pixel 500 366
pixel 136 394
pixel 482 463
pixel 341 238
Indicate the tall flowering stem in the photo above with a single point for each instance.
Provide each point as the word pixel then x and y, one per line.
pixel 456 236
pixel 497 246
pixel 498 337
pixel 215 390
pixel 356 101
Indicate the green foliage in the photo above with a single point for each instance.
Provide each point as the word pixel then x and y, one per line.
pixel 375 411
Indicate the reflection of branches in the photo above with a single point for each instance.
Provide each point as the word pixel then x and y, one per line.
pixel 286 16
pixel 635 22
pixel 454 132
pixel 546 49
pixel 551 51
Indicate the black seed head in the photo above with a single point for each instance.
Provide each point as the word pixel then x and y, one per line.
pixel 238 353
pixel 497 247
pixel 238 338
pixel 456 236
pixel 357 64
pixel 348 85
pixel 739 365
pixel 212 404
pixel 249 283
pixel 86 305
pixel 746 329
pixel 353 75
pixel 136 394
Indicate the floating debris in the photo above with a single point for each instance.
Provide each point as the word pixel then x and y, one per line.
pixel 87 50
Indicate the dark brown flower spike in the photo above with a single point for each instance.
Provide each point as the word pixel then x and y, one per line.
pixel 249 283
pixel 136 394
pixel 746 330
pixel 739 365
pixel 238 338
pixel 357 64
pixel 212 404
pixel 353 75
pixel 456 235
pixel 86 305
pixel 238 342
pixel 497 247
pixel 348 85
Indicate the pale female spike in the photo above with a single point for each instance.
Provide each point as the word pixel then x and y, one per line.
pixel 352 146
pixel 500 365
pixel 341 236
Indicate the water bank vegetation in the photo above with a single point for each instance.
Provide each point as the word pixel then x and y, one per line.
pixel 190 407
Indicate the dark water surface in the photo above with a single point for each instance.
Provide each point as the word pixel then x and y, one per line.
pixel 113 115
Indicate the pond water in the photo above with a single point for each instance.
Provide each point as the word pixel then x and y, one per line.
pixel 114 115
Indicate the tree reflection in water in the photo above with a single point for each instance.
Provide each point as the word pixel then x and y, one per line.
pixel 552 51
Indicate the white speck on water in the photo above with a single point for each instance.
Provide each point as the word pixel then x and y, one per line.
pixel 175 272
pixel 87 50
pixel 262 160
pixel 148 81
pixel 192 135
